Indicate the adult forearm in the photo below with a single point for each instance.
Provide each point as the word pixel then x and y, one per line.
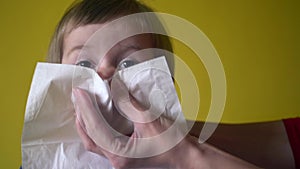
pixel 193 155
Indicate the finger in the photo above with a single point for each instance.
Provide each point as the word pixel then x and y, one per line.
pixel 128 105
pixel 79 119
pixel 86 140
pixel 96 126
pixel 91 146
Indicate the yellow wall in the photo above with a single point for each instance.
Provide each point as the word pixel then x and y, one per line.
pixel 258 42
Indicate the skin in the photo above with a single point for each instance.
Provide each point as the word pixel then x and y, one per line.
pixel 195 155
pixel 76 51
pixel 265 144
pixel 76 39
pixel 91 129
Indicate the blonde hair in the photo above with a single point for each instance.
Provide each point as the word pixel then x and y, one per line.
pixel 86 12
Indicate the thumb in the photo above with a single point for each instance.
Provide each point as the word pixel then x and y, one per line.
pixel 128 106
pixel 91 120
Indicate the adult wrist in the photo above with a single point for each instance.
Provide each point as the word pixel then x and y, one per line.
pixel 187 153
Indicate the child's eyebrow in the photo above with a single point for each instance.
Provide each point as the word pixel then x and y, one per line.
pixel 78 47
pixel 118 52
pixel 130 46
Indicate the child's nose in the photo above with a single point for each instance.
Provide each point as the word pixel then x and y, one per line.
pixel 106 70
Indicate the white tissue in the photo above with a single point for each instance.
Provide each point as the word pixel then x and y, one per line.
pixel 50 140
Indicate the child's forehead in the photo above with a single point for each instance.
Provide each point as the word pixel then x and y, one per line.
pixel 120 28
pixel 90 41
pixel 136 23
pixel 82 33
pixel 105 35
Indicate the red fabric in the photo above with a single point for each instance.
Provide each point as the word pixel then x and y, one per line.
pixel 292 127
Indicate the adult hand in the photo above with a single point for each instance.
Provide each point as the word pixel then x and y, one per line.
pixel 145 147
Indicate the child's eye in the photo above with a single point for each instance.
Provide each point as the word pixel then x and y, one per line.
pixel 126 63
pixel 86 63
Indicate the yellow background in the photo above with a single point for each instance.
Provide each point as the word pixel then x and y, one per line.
pixel 258 42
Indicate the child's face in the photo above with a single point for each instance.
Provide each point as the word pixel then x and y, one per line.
pixel 75 51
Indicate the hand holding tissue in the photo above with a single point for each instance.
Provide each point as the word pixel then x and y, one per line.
pixel 50 139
